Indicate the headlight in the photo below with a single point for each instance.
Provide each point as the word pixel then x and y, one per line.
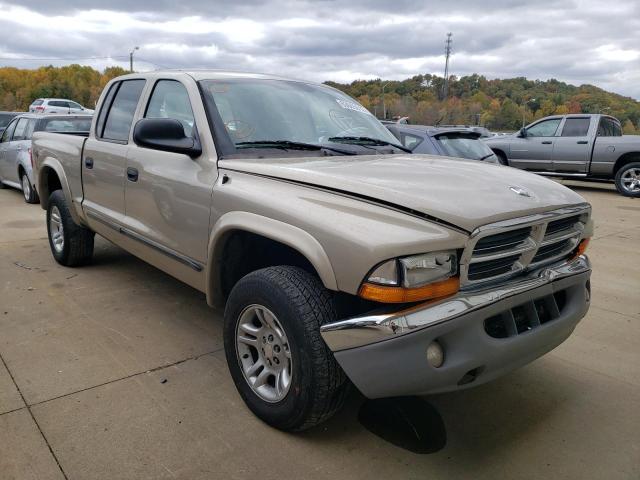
pixel 414 278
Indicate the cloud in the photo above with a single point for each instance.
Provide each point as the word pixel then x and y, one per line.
pixel 575 41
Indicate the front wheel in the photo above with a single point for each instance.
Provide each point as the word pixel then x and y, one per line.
pixel 279 363
pixel 502 158
pixel 628 180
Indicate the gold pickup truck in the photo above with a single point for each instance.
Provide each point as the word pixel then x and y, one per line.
pixel 340 258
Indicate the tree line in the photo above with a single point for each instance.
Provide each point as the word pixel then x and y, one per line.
pixel 500 104
pixel 20 87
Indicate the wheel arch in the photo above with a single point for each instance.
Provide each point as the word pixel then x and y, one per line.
pixel 290 242
pixel 624 159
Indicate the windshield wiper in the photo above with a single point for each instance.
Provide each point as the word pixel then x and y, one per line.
pixel 290 145
pixel 486 156
pixel 367 140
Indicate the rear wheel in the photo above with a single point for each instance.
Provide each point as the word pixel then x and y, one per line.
pixel 628 180
pixel 30 194
pixel 71 244
pixel 281 367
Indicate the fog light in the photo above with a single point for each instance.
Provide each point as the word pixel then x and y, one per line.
pixel 435 355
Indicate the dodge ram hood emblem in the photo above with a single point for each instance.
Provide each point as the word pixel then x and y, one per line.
pixel 520 191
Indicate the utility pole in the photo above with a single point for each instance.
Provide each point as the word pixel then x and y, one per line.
pixel 447 52
pixel 384 105
pixel 131 58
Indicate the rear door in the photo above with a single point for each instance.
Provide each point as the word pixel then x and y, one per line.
pixel 572 149
pixel 5 145
pixel 534 151
pixel 168 195
pixel 105 152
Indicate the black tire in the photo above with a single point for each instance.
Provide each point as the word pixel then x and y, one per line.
pixel 502 158
pixel 622 189
pixel 77 245
pixel 29 193
pixel 301 304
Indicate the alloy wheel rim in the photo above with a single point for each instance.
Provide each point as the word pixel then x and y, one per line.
pixel 26 187
pixel 631 180
pixel 56 230
pixel 263 353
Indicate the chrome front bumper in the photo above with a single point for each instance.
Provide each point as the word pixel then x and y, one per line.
pixel 365 330
pixel 386 355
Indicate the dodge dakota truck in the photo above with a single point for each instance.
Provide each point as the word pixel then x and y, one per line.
pixel 575 146
pixel 340 259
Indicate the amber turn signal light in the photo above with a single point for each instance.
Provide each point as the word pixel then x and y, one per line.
pixel 388 294
pixel 581 248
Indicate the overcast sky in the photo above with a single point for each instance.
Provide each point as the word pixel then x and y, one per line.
pixel 596 42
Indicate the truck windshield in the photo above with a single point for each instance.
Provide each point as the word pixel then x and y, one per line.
pixel 464 145
pixel 255 112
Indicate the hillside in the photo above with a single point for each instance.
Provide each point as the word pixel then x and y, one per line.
pixel 497 104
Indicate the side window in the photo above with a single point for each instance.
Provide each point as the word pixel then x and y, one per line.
pixel 57 103
pixel 104 108
pixel 6 135
pixel 546 128
pixel 171 100
pixel 576 127
pixel 30 128
pixel 120 116
pixel 609 128
pixel 411 141
pixel 75 105
pixel 21 127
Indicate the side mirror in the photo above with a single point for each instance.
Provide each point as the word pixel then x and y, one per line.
pixel 166 134
pixel 522 133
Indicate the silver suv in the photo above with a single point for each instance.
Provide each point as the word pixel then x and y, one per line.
pixel 58 105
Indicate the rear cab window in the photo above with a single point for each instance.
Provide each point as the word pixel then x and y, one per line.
pixel 608 127
pixel 65 125
pixel 119 109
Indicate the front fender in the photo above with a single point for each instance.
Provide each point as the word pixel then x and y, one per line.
pixel 285 233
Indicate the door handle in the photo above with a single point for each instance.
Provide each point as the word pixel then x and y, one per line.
pixel 88 162
pixel 547 142
pixel 582 142
pixel 132 174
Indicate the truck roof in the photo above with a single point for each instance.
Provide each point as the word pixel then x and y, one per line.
pixel 211 74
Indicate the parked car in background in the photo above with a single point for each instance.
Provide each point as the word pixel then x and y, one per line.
pixel 58 105
pixel 336 253
pixel 445 141
pixel 15 147
pixel 5 118
pixel 575 146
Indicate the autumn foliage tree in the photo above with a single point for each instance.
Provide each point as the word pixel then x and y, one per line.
pixel 19 87
pixel 498 104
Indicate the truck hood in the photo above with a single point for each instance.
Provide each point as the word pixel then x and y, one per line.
pixel 466 194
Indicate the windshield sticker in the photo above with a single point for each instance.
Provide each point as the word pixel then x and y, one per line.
pixel 352 106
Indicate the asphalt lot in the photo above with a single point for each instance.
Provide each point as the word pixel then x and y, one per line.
pixel 116 371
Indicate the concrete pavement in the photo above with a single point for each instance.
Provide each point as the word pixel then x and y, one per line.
pixel 116 371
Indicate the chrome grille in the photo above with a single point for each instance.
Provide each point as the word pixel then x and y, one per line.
pixel 504 249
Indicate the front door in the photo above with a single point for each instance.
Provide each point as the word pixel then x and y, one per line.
pixel 572 149
pixel 168 195
pixel 105 153
pixel 534 151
